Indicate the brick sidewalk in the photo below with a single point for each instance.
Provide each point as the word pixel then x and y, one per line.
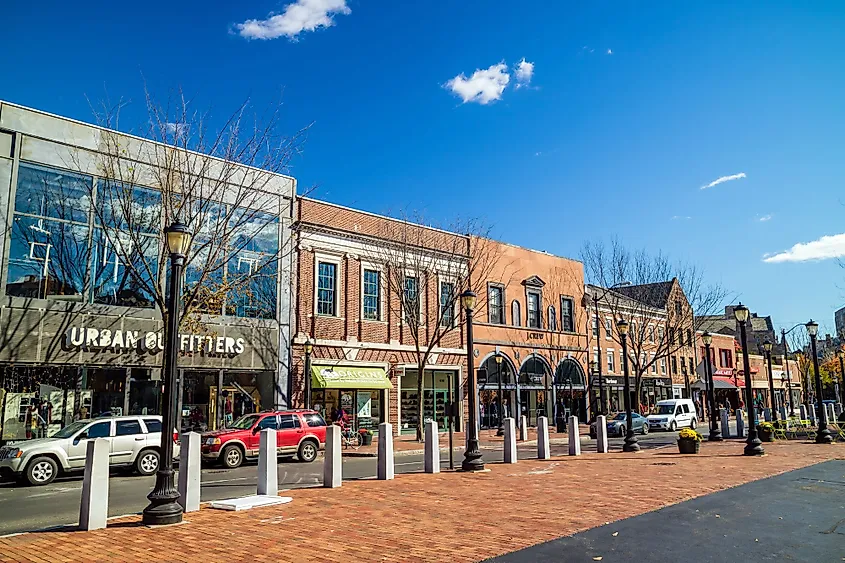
pixel 419 517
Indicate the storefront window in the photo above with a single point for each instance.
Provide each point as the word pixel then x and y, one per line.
pixel 435 399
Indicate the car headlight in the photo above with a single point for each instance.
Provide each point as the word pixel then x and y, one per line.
pixel 13 453
pixel 212 441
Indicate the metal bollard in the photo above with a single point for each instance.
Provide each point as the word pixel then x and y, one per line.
pixel 802 411
pixel 740 424
pixel 94 509
pixel 385 451
pixel 510 440
pixel 268 473
pixel 332 462
pixel 543 449
pixel 523 428
pixel 726 427
pixel 432 448
pixel 601 434
pixel 189 471
pixel 574 438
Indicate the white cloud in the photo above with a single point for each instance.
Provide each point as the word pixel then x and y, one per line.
pixel 610 51
pixel 302 15
pixel 523 73
pixel 765 218
pixel 684 217
pixel 483 87
pixel 828 246
pixel 724 179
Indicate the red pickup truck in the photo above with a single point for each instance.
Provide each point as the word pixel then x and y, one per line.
pixel 300 432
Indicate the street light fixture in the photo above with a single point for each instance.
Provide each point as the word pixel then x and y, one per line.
pixel 472 455
pixel 309 347
pixel 631 444
pixel 823 436
pixel 163 507
pixel 596 298
pixel 773 403
pixel 501 410
pixel 753 445
pixel 715 433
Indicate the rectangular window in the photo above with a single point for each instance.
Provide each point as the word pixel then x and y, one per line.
pixel 608 329
pixel 288 421
pixel 252 270
pixel 567 323
pixel 128 428
pixel 725 358
pixel 447 304
pixel 663 366
pixel 372 292
pixel 671 336
pixel 153 425
pixel 595 326
pixel 689 337
pixel 651 334
pixel 660 334
pixel 683 366
pixel 610 362
pixel 411 304
pixel 534 319
pixel 496 305
pixel 653 365
pixel 674 362
pixel 327 289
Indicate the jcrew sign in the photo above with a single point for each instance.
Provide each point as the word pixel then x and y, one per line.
pixel 120 341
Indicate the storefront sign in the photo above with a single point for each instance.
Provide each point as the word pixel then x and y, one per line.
pixel 364 405
pixel 120 341
pixel 536 336
pixel 346 401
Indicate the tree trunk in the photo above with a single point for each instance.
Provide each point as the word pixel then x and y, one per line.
pixel 420 388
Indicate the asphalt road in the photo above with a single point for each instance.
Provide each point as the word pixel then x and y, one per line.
pixel 25 508
pixel 797 516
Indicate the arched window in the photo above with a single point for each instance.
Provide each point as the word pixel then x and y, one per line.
pixel 533 371
pixel 516 315
pixel 552 318
pixel 569 372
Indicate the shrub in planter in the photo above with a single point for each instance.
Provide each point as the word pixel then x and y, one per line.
pixel 689 441
pixel 766 431
pixel 366 436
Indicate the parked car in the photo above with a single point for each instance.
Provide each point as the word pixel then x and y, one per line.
pixel 134 441
pixel 616 426
pixel 300 432
pixel 672 414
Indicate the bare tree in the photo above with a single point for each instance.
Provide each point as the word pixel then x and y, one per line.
pixel 659 298
pixel 426 270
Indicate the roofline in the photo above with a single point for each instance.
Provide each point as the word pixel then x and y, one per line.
pixel 132 136
pixel 543 252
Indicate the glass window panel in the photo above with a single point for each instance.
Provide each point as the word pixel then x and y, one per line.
pixel 496 306
pixel 372 289
pixel 128 428
pixel 566 320
pixel 326 288
pixel 412 302
pixel 447 303
pixel 210 297
pixel 552 318
pixel 534 310
pixel 123 268
pixel 128 208
pixel 53 193
pixel 47 259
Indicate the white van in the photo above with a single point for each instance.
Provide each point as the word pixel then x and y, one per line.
pixel 673 414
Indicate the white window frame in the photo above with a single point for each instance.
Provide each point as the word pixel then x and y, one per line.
pixel 455 304
pixel 337 260
pixel 381 293
pixel 611 361
pixel 663 365
pixel 539 294
pixel 421 293
pixel 608 328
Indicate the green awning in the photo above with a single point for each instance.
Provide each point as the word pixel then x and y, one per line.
pixel 337 377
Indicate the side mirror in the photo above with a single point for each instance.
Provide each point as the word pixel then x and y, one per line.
pixel 79 438
pixel 256 430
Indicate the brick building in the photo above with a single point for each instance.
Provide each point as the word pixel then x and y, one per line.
pixel 530 336
pixel 357 278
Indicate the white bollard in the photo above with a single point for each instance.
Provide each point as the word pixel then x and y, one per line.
pixel 94 509
pixel 543 450
pixel 523 428
pixel 189 471
pixel 510 440
pixel 767 414
pixel 601 434
pixel 432 448
pixel 332 461
pixel 782 411
pixel 574 438
pixel 811 413
pixel 385 451
pixel 726 427
pixel 740 424
pixel 268 473
pixel 802 411
pixel 831 414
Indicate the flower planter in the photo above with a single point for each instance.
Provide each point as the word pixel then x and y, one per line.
pixel 366 439
pixel 687 446
pixel 765 435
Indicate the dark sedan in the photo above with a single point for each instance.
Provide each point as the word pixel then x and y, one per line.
pixel 616 426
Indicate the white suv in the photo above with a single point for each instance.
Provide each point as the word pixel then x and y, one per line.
pixel 673 414
pixel 134 441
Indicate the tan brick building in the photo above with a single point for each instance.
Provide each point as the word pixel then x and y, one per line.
pixel 350 306
pixel 532 319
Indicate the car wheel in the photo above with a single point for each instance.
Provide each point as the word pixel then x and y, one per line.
pixel 307 451
pixel 231 457
pixel 621 431
pixel 673 426
pixel 693 424
pixel 41 471
pixel 147 462
pixel 645 429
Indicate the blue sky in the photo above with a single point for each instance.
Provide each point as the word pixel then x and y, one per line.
pixel 630 109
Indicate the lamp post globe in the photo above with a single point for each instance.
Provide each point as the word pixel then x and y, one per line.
pixel 823 435
pixel 753 445
pixel 164 508
pixel 472 455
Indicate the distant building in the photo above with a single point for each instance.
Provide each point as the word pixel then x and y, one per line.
pixel 839 319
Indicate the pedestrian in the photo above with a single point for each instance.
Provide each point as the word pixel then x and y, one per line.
pixel 228 416
pixel 728 405
pixel 698 408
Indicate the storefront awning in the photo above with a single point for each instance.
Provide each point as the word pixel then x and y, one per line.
pixel 345 377
pixel 718 383
pixel 739 382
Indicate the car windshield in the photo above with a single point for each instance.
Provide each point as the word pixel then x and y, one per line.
pixel 71 429
pixel 245 422
pixel 620 416
pixel 665 409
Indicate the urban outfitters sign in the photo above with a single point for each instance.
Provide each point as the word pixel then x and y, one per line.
pixel 121 341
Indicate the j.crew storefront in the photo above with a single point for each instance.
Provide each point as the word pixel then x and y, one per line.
pixel 63 361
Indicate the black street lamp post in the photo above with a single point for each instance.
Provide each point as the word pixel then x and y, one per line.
pixel 715 432
pixel 309 347
pixel 773 402
pixel 841 355
pixel 597 334
pixel 500 412
pixel 631 444
pixel 472 456
pixel 823 436
pixel 753 445
pixel 163 507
